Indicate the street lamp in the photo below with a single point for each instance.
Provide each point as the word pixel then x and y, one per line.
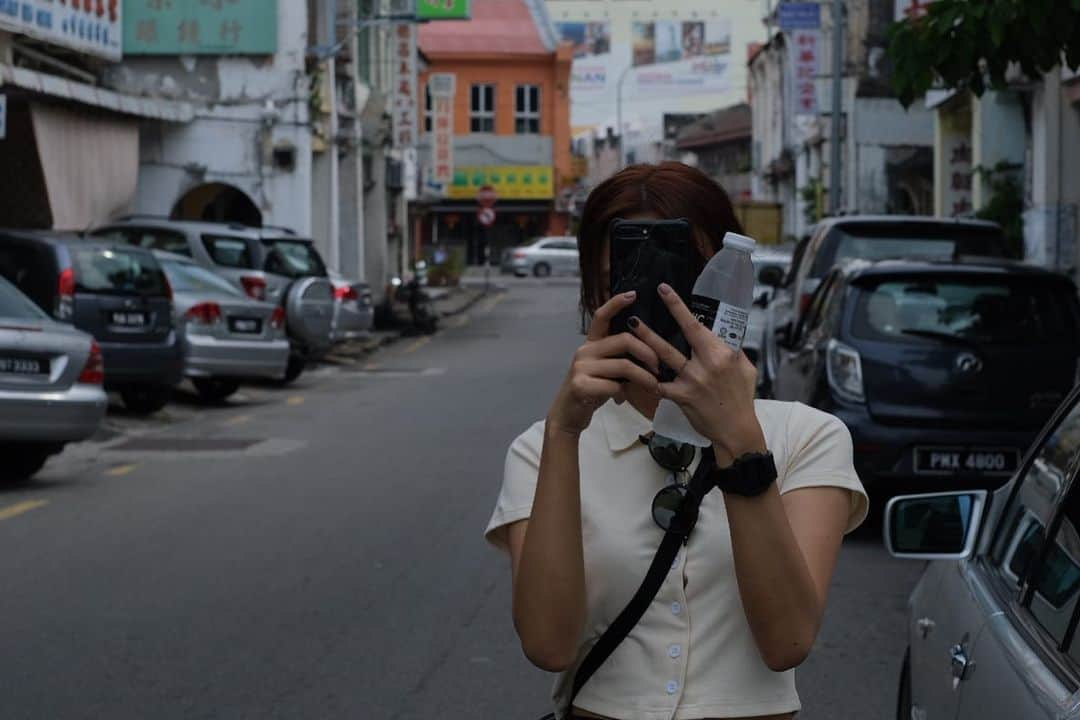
pixel 618 115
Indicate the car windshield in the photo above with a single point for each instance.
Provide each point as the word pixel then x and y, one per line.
pixel 16 306
pixel 910 240
pixel 971 310
pixel 187 277
pixel 117 271
pixel 293 258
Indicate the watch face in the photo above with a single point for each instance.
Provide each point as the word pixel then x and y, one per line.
pixel 749 475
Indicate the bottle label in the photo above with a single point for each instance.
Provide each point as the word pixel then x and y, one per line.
pixel 728 322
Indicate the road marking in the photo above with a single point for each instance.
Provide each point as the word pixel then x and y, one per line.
pixel 417 345
pixel 20 508
pixel 460 322
pixel 238 420
pixel 490 304
pixel 120 470
pixel 295 400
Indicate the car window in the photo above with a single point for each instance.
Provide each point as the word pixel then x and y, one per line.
pixel 1008 311
pixel 186 277
pixel 796 260
pixel 31 268
pixel 116 271
pixel 562 245
pixel 228 251
pixel 293 259
pixel 158 239
pixel 818 309
pixel 1055 575
pixel 16 306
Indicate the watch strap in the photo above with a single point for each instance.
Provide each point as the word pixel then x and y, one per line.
pixel 750 475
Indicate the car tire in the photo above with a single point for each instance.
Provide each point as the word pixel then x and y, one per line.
pixel 903 699
pixel 294 369
pixel 146 399
pixel 541 270
pixel 215 390
pixel 22 463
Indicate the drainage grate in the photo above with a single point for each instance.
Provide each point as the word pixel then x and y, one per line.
pixel 149 444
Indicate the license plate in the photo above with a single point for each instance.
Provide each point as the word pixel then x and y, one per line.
pixel 245 325
pixel 128 319
pixel 966 461
pixel 22 366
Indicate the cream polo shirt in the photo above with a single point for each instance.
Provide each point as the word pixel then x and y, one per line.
pixel 692 655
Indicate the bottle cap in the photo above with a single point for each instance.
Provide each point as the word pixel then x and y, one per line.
pixel 739 242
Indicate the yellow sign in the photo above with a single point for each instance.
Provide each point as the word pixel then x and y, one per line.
pixel 511 182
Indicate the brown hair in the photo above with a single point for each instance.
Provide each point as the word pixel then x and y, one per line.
pixel 669 190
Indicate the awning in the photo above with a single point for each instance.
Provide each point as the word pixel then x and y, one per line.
pixel 98 97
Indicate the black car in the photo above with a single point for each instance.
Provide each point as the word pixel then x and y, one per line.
pixel 944 371
pixel 117 293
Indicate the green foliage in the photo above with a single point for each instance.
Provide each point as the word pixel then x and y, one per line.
pixel 812 195
pixel 963 43
pixel 1006 204
pixel 451 267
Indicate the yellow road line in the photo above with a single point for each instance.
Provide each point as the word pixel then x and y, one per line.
pixel 417 345
pixel 295 400
pixel 490 304
pixel 238 420
pixel 20 508
pixel 120 470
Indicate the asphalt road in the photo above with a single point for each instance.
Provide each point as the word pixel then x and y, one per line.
pixel 316 552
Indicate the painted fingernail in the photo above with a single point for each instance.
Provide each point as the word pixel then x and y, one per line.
pixel 630 295
pixel 665 289
pixel 633 322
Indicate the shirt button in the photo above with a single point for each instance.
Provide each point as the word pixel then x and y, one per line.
pixel 676 608
pixel 672 687
pixel 674 651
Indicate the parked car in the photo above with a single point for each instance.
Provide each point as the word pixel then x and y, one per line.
pixel 51 391
pixel 865 237
pixel 542 257
pixel 228 337
pixel 992 621
pixel 755 326
pixel 943 371
pixel 267 263
pixel 354 313
pixel 116 293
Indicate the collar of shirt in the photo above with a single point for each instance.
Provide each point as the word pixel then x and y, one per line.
pixel 623 425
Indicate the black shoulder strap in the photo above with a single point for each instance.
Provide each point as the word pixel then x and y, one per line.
pixel 700 484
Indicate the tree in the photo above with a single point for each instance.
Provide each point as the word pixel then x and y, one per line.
pixel 963 43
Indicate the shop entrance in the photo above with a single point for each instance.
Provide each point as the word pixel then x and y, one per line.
pixel 217 202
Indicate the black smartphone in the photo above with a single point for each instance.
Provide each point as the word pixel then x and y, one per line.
pixel 645 253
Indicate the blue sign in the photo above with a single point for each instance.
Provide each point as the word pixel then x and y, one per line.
pixel 800 16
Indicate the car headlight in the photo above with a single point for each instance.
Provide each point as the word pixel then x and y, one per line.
pixel 844 369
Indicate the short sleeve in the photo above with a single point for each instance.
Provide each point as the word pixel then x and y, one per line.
pixel 820 455
pixel 518 486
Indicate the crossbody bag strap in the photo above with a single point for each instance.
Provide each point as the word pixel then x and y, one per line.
pixel 700 484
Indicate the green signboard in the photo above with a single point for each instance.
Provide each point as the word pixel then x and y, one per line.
pixel 200 27
pixel 442 9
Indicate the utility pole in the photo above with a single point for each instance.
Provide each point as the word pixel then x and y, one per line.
pixel 837 90
pixel 618 117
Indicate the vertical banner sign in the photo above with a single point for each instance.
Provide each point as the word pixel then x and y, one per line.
pixel 404 95
pixel 3 116
pixel 442 87
pixel 806 45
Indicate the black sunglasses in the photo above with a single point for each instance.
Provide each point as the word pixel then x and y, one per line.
pixel 676 457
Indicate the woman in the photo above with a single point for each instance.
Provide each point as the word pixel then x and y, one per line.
pixel 745 598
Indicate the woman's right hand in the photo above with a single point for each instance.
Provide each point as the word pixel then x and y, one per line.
pixel 598 368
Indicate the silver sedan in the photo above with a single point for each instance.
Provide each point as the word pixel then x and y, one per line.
pixel 354 315
pixel 51 385
pixel 228 337
pixel 555 255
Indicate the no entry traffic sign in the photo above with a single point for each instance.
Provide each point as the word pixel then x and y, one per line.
pixel 486 216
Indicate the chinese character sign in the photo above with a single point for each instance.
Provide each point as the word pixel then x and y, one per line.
pixel 89 26
pixel 200 27
pixel 442 86
pixel 806 45
pixel 911 9
pixel 405 82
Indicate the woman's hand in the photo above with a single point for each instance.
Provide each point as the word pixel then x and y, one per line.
pixel 714 387
pixel 598 367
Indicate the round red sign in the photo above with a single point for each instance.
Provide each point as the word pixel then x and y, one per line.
pixel 486 216
pixel 486 196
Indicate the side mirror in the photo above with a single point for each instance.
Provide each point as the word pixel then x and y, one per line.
pixel 762 300
pixel 937 526
pixel 771 276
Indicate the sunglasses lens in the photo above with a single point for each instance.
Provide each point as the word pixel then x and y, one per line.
pixel 666 504
pixel 671 455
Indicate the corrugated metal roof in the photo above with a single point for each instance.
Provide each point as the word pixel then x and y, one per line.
pixel 497 27
pixel 731 123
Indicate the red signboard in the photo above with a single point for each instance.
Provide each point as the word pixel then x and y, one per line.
pixel 486 196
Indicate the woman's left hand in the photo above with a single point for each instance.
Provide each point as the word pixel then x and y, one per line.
pixel 714 387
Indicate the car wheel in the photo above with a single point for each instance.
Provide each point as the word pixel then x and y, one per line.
pixel 541 269
pixel 21 463
pixel 903 700
pixel 293 369
pixel 146 399
pixel 215 390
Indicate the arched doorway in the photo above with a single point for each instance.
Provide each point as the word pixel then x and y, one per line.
pixel 217 202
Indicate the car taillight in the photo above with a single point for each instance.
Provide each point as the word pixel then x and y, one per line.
pixel 93 372
pixel 65 295
pixel 520 254
pixel 277 320
pixel 804 302
pixel 254 286
pixel 843 367
pixel 205 313
pixel 346 292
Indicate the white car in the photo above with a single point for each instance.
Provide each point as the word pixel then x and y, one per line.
pixel 551 255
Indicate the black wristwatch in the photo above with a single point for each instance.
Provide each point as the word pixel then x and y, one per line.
pixel 750 475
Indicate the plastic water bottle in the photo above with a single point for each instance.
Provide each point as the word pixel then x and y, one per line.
pixel 721 300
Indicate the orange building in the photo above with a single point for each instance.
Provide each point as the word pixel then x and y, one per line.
pixel 509 118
